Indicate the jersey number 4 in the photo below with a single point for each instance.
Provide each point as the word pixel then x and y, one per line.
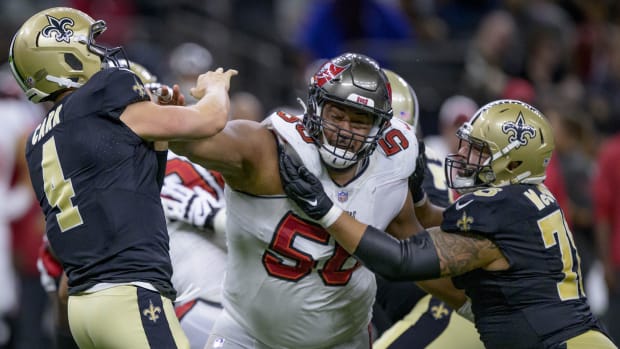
pixel 59 190
pixel 292 227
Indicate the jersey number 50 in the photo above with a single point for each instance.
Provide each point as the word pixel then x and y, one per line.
pixel 292 227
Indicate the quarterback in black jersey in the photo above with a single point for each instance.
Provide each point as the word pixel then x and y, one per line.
pixel 505 241
pixel 96 163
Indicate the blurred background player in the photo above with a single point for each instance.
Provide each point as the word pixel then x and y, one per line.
pixel 21 323
pixel 193 200
pixel 404 315
pixel 454 111
pixel 186 61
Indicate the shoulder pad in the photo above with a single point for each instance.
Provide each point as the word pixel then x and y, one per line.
pixel 399 146
pixel 292 135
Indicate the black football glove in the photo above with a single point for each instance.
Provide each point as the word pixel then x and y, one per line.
pixel 417 177
pixel 306 191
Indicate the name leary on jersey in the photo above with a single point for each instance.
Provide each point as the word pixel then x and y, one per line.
pixel 50 121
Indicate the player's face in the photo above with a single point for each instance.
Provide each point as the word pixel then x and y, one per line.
pixel 344 127
pixel 473 155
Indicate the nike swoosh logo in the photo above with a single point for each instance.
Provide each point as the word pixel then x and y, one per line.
pixel 459 205
pixel 312 203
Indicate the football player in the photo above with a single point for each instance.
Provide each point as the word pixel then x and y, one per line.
pixel 412 318
pixel 505 240
pixel 288 284
pixel 193 202
pixel 97 170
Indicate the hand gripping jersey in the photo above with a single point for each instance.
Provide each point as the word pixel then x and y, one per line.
pixel 288 283
pixel 97 184
pixel 541 298
pixel 198 258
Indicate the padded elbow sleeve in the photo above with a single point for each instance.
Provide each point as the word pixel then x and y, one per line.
pixel 399 260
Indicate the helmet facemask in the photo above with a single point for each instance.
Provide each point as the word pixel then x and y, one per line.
pixel 109 56
pixel 346 147
pixel 470 168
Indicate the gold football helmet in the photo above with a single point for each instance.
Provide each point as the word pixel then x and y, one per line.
pixel 144 74
pixel 55 50
pixel 148 79
pixel 404 100
pixel 506 142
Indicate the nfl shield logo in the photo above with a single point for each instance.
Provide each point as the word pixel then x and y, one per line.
pixel 343 196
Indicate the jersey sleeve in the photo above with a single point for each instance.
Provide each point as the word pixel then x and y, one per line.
pixel 399 144
pixel 122 88
pixel 475 213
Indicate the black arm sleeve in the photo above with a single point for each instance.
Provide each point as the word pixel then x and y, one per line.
pixel 399 260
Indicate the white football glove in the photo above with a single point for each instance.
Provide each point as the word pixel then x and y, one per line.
pixel 195 205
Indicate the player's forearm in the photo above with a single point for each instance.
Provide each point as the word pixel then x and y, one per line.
pixel 444 289
pixel 411 259
pixel 347 231
pixel 214 106
pixel 429 214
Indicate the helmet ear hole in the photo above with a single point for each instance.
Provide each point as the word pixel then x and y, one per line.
pixel 513 165
pixel 73 61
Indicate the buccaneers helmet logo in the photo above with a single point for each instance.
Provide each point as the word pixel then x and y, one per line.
pixel 518 130
pixel 327 73
pixel 60 27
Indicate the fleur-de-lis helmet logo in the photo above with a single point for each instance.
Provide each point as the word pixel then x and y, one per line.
pixel 60 27
pixel 518 130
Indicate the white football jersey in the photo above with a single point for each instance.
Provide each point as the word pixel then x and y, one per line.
pixel 288 283
pixel 198 257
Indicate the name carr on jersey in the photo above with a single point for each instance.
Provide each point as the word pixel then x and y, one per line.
pixel 50 121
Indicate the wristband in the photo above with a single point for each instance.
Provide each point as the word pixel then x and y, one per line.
pixel 331 216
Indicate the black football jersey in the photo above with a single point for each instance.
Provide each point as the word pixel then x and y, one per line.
pixel 97 184
pixel 539 302
pixel 434 183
